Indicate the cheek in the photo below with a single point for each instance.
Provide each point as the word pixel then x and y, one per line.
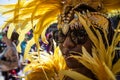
pixel 88 46
pixel 78 48
pixel 65 51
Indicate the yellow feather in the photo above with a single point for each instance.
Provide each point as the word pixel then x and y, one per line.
pixel 50 63
pixel 74 75
pixel 28 14
pixel 116 67
pixel 10 30
pixel 86 24
pixel 28 46
pixel 96 65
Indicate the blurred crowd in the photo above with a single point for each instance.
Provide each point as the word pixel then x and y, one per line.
pixel 17 73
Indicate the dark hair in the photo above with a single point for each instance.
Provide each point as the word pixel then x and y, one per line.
pixel 14 36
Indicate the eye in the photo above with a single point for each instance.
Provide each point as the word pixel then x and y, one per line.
pixel 82 32
pixel 82 38
pixel 73 36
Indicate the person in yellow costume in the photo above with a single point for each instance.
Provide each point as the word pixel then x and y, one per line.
pixel 84 34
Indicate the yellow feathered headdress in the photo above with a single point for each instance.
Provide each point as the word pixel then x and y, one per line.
pixel 31 14
pixel 39 14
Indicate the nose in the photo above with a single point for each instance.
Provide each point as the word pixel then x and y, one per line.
pixel 68 43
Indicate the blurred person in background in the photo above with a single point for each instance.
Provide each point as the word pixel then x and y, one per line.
pixel 9 59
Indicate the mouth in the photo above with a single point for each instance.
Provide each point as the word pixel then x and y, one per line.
pixel 75 53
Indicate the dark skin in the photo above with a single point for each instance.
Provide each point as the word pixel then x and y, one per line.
pixel 72 35
pixel 70 44
pixel 74 39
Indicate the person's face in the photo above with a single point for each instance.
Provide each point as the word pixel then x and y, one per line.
pixel 73 41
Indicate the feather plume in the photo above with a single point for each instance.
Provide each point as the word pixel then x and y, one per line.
pixel 45 67
pixel 39 14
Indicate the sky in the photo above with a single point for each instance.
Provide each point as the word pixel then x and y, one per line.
pixel 2 19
